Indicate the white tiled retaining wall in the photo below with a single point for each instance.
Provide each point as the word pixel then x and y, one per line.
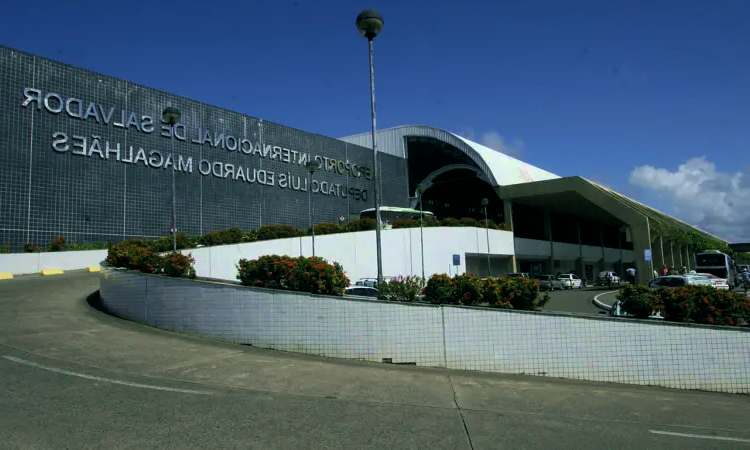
pixel 25 263
pixel 515 342
pixel 356 252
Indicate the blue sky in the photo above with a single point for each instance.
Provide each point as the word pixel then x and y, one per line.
pixel 580 87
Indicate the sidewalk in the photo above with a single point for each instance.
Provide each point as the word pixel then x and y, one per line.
pixel 362 405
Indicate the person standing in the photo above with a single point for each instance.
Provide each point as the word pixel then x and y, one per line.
pixel 631 275
pixel 664 270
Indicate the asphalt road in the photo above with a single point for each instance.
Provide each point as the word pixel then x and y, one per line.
pixel 580 300
pixel 73 377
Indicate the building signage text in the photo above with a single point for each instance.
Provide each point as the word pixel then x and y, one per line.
pixel 95 146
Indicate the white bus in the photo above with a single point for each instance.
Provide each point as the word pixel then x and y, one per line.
pixel 716 263
pixel 391 213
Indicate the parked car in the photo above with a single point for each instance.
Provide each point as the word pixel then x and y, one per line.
pixel 370 282
pixel 548 282
pixel 570 281
pixel 519 275
pixel 361 291
pixel 719 283
pixel 675 281
pixel 602 280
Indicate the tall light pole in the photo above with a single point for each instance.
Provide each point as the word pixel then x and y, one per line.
pixel 172 116
pixel 486 202
pixel 421 236
pixel 369 23
pixel 312 166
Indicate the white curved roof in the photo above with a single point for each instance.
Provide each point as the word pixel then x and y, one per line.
pixel 500 168
pixel 507 169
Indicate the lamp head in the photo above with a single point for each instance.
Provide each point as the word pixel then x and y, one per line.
pixel 369 23
pixel 171 115
pixel 485 202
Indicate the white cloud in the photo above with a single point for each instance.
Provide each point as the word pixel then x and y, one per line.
pixel 496 141
pixel 718 202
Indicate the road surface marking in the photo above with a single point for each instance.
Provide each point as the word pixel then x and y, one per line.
pixel 108 380
pixel 699 436
pixel 596 297
pixel 600 304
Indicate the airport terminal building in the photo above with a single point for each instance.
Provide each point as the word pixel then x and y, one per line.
pixel 87 156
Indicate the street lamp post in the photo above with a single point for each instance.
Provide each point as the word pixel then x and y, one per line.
pixel 370 23
pixel 312 166
pixel 486 202
pixel 172 116
pixel 421 236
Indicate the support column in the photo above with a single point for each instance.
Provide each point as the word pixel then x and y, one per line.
pixel 671 254
pixel 641 235
pixel 508 214
pixel 579 262
pixel 511 265
pixel 602 261
pixel 550 265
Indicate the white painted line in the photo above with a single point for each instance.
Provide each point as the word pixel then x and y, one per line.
pixel 699 436
pixel 91 377
pixel 600 304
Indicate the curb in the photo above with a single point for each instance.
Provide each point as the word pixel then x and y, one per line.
pixel 6 276
pixel 601 305
pixel 45 272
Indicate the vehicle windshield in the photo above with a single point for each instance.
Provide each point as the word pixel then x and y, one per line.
pixel 710 260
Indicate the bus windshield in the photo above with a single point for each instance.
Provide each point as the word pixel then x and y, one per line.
pixel 711 259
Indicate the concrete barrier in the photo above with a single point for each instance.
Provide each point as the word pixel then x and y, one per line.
pixel 33 263
pixel 594 348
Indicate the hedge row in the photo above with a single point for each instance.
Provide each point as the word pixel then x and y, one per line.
pixel 495 292
pixel 139 255
pixel 264 233
pixel 694 304
pixel 467 290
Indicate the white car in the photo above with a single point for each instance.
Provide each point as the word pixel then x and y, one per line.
pixel 719 283
pixel 602 280
pixel 570 281
pixel 675 281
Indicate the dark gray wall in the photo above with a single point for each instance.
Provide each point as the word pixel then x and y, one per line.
pixel 45 193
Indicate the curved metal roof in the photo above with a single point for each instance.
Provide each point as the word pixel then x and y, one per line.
pixel 499 168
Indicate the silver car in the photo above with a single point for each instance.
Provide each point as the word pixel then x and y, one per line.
pixel 548 282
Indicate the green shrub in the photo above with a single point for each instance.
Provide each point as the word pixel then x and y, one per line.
pixel 5 248
pixel 134 254
pixel 439 290
pixel 166 243
pixel 30 248
pixel 57 244
pixel 494 294
pixel 468 289
pixel 637 300
pixel 450 222
pixel 522 293
pixel 360 225
pixel 222 237
pixel 401 289
pixel 176 264
pixel 312 274
pixel 72 246
pixel 327 228
pixel 250 236
pixel 467 222
pixel 268 232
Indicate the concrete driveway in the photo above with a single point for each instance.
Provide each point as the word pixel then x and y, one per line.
pixel 73 377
